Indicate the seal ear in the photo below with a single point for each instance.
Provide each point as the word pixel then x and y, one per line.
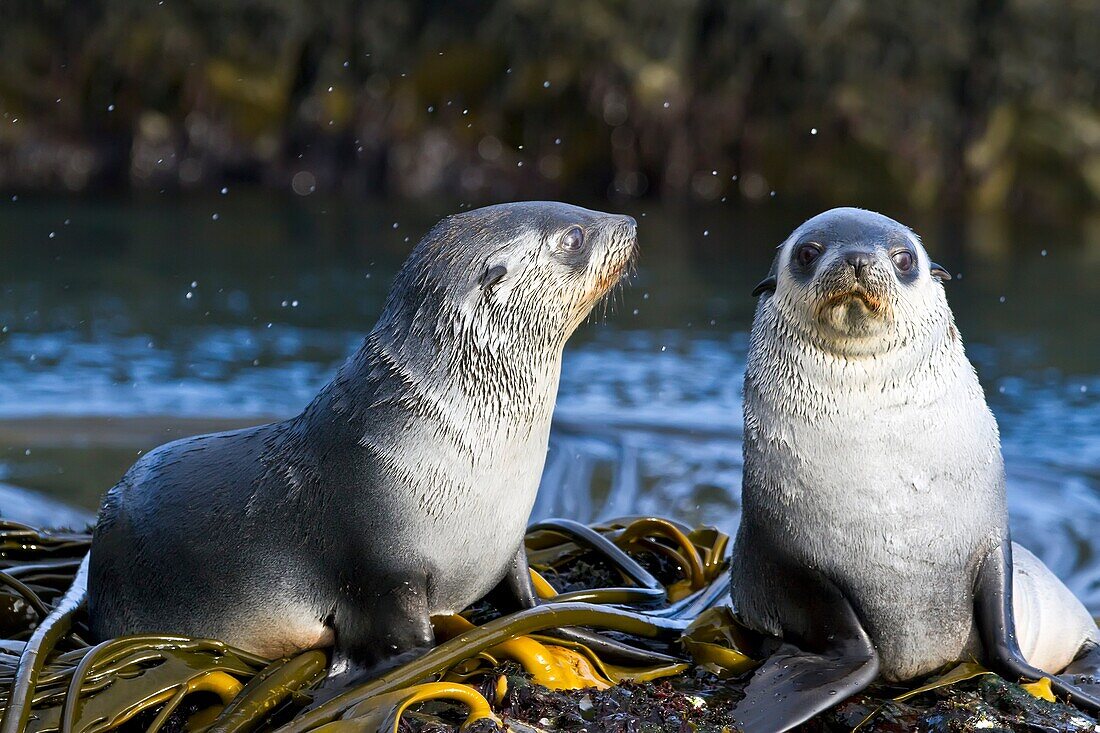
pixel 769 283
pixel 938 272
pixel 492 276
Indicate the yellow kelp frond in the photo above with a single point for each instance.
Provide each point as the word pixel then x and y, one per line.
pixel 382 713
pixel 685 554
pixel 964 671
pixel 550 665
pixel 543 588
pixel 716 641
pixel 1040 689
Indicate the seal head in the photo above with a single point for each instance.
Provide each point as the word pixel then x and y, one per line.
pixel 847 277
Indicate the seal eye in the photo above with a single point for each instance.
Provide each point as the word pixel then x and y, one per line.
pixel 807 253
pixel 903 260
pixel 573 239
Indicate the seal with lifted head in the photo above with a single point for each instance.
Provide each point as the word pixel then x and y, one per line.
pixel 874 536
pixel 404 488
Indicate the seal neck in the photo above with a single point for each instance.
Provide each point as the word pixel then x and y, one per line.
pixel 443 377
pixel 920 357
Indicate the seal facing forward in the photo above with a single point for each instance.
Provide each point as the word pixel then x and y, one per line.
pixel 402 490
pixel 874 534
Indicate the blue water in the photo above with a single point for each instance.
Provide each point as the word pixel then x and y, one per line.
pixel 150 309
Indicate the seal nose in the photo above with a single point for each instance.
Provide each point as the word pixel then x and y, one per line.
pixel 859 261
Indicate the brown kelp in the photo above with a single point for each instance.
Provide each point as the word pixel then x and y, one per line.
pixel 654 586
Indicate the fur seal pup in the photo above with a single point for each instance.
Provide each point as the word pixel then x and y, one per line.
pixel 403 490
pixel 874 535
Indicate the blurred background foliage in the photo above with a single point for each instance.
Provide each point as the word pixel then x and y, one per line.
pixel 969 105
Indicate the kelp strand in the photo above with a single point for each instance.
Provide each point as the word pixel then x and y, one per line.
pixel 590 538
pixel 687 551
pixel 25 593
pixel 45 637
pixel 269 689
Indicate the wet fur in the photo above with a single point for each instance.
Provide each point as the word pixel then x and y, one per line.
pixel 872 457
pixel 403 490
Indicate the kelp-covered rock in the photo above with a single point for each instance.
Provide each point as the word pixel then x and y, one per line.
pixel 507 671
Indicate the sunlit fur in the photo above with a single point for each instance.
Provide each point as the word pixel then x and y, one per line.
pixel 402 490
pixel 871 456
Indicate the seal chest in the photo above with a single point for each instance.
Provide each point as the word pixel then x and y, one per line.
pixel 402 490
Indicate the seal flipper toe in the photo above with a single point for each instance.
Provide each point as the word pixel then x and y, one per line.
pixel 1084 671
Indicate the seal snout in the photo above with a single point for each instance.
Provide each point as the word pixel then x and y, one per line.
pixel 623 240
pixel 856 277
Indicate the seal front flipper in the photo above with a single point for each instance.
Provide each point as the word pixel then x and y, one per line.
pixel 997 628
pixel 813 668
pixel 376 633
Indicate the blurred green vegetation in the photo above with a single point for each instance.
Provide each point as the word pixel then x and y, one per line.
pixel 976 104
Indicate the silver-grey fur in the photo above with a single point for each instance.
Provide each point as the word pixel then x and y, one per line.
pixel 403 490
pixel 872 457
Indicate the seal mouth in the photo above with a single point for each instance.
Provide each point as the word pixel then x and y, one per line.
pixel 621 268
pixel 620 272
pixel 872 302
